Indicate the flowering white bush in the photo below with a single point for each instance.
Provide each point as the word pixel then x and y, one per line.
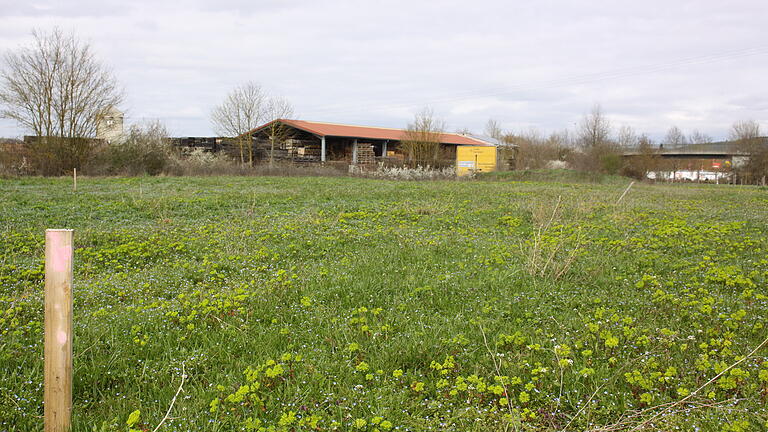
pixel 406 173
pixel 202 157
pixel 201 162
pixel 557 164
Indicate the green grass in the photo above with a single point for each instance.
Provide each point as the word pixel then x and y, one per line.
pixel 298 304
pixel 564 176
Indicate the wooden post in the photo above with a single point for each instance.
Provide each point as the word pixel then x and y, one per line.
pixel 322 149
pixel 74 179
pixel 58 330
pixel 625 191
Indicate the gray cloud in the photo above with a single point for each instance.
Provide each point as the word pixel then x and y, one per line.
pixel 63 9
pixel 696 64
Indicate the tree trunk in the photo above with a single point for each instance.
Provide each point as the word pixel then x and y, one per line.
pixel 271 152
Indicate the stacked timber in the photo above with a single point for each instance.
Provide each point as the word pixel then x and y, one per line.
pixel 308 150
pixel 365 154
pixel 291 144
pixel 189 144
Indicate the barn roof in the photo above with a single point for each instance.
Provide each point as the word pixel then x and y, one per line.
pixel 322 129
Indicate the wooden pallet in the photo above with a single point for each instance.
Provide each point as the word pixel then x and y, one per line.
pixel 365 154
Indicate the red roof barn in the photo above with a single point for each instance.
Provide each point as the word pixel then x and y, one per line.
pixel 301 139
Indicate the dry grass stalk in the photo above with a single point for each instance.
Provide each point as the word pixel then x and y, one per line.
pixel 173 401
pixel 546 259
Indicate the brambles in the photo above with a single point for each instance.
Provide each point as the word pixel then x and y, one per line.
pixel 317 304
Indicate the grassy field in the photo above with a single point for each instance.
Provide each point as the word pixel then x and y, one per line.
pixel 303 304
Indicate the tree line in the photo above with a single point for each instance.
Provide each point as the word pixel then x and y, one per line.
pixel 58 91
pixel 596 145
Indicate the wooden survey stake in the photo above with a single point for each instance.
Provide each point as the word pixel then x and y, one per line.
pixel 58 330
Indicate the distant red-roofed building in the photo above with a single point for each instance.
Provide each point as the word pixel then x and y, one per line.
pixel 303 140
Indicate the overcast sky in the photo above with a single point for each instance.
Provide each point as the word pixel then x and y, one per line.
pixel 650 64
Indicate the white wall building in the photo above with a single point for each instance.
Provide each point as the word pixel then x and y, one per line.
pixel 110 126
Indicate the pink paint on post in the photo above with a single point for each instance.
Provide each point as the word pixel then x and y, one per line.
pixel 57 371
pixel 61 253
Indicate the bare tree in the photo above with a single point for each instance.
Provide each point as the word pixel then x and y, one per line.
pixel 598 150
pixel 745 131
pixel 421 140
pixel 647 159
pixel 145 149
pixel 563 140
pixel 531 151
pixel 675 137
pixel 535 151
pixel 245 108
pixel 56 89
pixel 241 112
pixel 493 130
pixel 275 109
pixel 464 131
pixel 627 137
pixel 697 137
pixel 746 134
pixel 594 130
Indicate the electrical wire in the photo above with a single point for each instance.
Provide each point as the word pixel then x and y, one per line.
pixel 546 84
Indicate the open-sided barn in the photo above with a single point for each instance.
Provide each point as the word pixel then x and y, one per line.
pixel 302 140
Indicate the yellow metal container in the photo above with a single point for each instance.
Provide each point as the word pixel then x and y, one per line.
pixel 470 159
